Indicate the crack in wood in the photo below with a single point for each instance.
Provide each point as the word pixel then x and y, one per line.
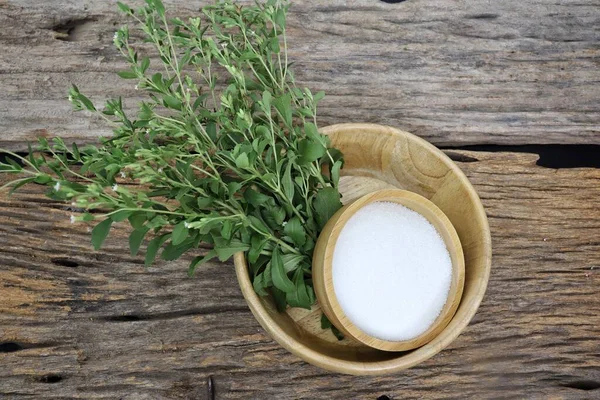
pixel 555 156
pixel 50 378
pixel 70 30
pixel 172 314
pixel 583 384
pixel 482 16
pixel 10 347
pixel 211 388
pixel 65 262
pixel 459 157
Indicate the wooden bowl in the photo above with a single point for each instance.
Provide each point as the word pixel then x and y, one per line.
pixel 380 157
pixel 323 271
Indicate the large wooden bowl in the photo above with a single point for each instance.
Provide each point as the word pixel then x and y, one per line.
pixel 379 157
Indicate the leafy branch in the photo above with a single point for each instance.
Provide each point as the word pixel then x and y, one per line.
pixel 224 150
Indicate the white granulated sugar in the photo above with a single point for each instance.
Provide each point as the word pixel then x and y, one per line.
pixel 391 271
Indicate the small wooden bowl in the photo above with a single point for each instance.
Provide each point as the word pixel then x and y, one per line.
pixel 381 157
pixel 323 271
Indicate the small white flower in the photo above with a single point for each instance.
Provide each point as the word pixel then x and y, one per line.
pixel 136 87
pixel 123 175
pixel 284 223
pixel 160 170
pixel 117 40
pixel 70 98
pixel 57 186
pixel 115 187
pixel 186 224
pixel 73 219
pixel 223 45
pixel 188 90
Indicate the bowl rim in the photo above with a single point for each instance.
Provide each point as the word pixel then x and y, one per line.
pixel 395 364
pixel 323 256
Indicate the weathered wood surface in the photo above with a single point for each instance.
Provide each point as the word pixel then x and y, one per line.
pixel 102 326
pixel 453 72
pixel 85 324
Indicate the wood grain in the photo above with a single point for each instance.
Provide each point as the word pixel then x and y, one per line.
pixel 81 324
pixel 504 72
pixel 99 325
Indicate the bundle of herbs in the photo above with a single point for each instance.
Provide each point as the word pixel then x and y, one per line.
pixel 224 150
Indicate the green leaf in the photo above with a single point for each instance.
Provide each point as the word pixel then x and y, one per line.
pixel 263 132
pixel 280 17
pixel 310 151
pixel 87 217
pixel 312 132
pixel 326 203
pixel 172 102
pixel 258 224
pixel 157 79
pixel 179 234
pixel 300 297
pixel 226 252
pixel 280 278
pixel 85 101
pixel 124 7
pixel 233 187
pixel 211 130
pixel 226 229
pixel 274 45
pixel 280 299
pixel 127 74
pixel 287 183
pixel 259 284
pixel 145 64
pixel 295 231
pixel 242 161
pixel 283 105
pixel 318 96
pixel 100 232
pixel 136 238
pixel 200 260
pixel 335 173
pixel 160 8
pixel 291 261
pixel 255 198
pixel 204 202
pixel 257 244
pixel 266 99
pixel 326 324
pixel 14 165
pixel 120 215
pixel 153 246
pixel 174 251
pixel 137 220
pixel 74 151
pixel 274 216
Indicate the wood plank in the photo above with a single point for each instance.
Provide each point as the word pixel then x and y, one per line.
pixel 508 72
pixel 85 324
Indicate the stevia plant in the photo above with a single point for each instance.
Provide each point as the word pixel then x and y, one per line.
pixel 224 150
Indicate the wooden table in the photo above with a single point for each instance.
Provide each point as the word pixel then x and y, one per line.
pixel 511 90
